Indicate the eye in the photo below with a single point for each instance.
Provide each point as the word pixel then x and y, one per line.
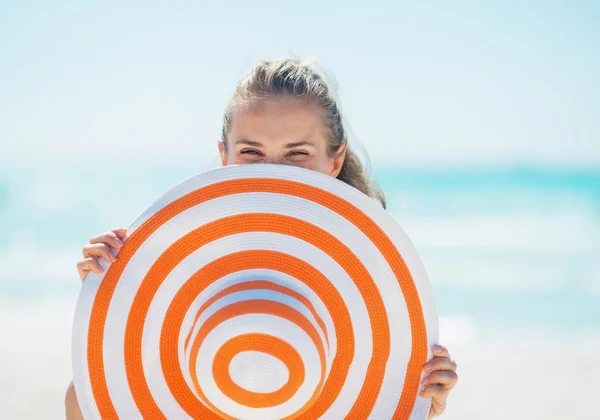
pixel 250 152
pixel 298 153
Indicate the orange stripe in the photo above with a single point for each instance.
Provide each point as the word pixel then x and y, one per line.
pixel 311 234
pixel 216 270
pixel 263 343
pixel 258 285
pixel 324 198
pixel 256 306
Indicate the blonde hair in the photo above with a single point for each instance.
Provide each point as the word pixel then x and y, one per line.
pixel 291 77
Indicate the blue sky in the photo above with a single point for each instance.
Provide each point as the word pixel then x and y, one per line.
pixel 513 254
pixel 472 83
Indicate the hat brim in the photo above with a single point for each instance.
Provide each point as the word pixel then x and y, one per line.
pixel 257 292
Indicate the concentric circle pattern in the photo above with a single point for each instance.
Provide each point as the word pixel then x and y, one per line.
pixel 257 292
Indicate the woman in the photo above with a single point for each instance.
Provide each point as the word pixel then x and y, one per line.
pixel 285 112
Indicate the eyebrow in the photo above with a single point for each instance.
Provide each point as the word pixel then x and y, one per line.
pixel 287 146
pixel 298 144
pixel 249 142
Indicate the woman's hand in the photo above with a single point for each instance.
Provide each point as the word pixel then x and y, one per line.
pixel 441 378
pixel 100 247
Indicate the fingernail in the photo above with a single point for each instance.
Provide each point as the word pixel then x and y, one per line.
pixel 437 348
pixel 119 242
pixel 113 258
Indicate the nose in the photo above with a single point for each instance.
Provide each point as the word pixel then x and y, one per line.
pixel 274 159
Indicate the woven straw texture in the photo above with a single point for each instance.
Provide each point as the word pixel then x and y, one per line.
pixel 257 292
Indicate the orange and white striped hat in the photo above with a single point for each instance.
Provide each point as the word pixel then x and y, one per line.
pixel 257 292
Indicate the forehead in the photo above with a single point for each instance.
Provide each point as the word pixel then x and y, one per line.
pixel 278 105
pixel 278 119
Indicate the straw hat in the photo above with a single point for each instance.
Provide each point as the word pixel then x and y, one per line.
pixel 257 292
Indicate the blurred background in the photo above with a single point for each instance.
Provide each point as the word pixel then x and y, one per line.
pixel 482 120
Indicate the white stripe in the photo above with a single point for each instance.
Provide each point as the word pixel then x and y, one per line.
pixel 420 409
pixel 299 208
pixel 274 203
pixel 116 320
pixel 266 324
pixel 272 171
pixel 254 241
pixel 336 187
pixel 248 275
pixel 258 372
pixel 257 294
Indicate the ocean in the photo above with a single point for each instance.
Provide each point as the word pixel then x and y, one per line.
pixel 513 255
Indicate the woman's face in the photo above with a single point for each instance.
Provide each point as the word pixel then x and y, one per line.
pixel 283 131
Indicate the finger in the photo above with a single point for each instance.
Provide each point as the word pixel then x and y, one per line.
pixel 99 250
pixel 87 265
pixel 440 351
pixel 120 232
pixel 445 378
pixel 439 363
pixel 437 407
pixel 434 391
pixel 109 238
